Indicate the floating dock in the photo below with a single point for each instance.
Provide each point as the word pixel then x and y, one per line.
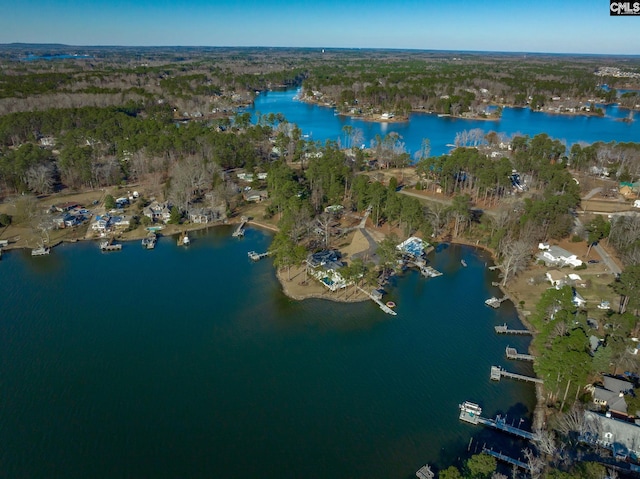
pixel 41 251
pixel 472 413
pixel 504 329
pixel 150 241
pixel 107 246
pixel 425 472
pixel 512 353
pixel 495 302
pixel 257 256
pixel 429 272
pixel 497 373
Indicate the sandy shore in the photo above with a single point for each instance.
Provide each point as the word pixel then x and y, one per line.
pixel 296 284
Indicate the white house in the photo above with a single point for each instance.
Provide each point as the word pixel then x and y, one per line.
pixel 557 256
pixel 102 223
pixel 578 300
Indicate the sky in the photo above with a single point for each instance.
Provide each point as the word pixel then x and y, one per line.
pixel 552 26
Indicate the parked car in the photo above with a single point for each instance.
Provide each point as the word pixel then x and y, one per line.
pixel 593 261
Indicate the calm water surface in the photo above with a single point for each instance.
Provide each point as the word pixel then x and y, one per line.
pixel 190 362
pixel 320 123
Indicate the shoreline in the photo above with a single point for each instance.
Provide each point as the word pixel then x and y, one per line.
pixel 539 415
pixel 310 288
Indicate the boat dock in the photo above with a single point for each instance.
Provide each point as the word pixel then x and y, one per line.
pixel 497 373
pixel 239 232
pixel 257 256
pixel 472 413
pixel 495 302
pixel 512 353
pixel 382 306
pixel 108 246
pixel 429 272
pixel 150 241
pixel 504 329
pixel 40 251
pixel 501 457
pixel 425 472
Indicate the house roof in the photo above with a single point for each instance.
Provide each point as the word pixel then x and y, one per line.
pixel 614 431
pixel 555 275
pixel 558 252
pixel 614 400
pixel 617 385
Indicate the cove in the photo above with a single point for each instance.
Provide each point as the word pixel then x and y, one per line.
pixel 190 362
pixel 321 123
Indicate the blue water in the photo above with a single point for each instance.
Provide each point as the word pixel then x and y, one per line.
pixel 321 123
pixel 190 362
pixel 62 56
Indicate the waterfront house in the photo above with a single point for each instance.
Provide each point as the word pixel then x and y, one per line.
pixel 413 247
pixel 121 221
pixel 67 220
pixel 620 437
pixel 324 266
pixel 201 215
pixel 158 211
pixel 556 256
pixel 611 395
pixel 102 223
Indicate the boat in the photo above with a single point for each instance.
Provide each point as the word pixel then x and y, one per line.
pixel 184 239
pixel 40 251
pixel 391 304
pixel 463 263
pixel 150 241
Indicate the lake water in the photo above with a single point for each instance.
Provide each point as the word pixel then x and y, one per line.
pixel 190 362
pixel 320 123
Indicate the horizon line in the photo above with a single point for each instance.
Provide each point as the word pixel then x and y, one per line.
pixel 321 48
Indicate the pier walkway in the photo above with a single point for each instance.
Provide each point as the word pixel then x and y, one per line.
pixel 383 306
pixel 472 413
pixel 257 256
pixel 501 457
pixel 512 353
pixel 497 373
pixel 239 232
pixel 504 329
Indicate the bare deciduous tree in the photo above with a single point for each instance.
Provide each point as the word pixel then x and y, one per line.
pixel 515 257
pixel 535 463
pixel 40 178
